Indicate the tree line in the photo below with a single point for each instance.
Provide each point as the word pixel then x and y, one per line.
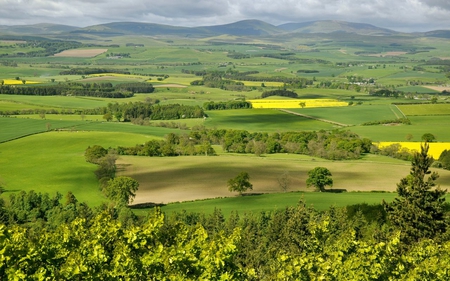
pixel 142 110
pixel 104 90
pixel 222 105
pixel 334 145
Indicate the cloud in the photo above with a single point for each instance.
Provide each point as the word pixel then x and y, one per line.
pixel 400 14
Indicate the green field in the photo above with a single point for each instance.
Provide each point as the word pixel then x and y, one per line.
pixel 35 157
pixel 54 162
pixel 271 202
pixel 352 115
pixel 172 179
pixel 266 120
pixel 425 109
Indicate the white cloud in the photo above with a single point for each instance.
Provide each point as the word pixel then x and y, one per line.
pixel 401 14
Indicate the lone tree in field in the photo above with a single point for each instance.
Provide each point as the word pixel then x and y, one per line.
pixel 240 183
pixel 418 211
pixel 319 177
pixel 428 137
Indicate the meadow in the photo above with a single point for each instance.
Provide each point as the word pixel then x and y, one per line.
pixel 47 154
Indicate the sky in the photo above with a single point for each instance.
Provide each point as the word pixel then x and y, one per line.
pixel 399 15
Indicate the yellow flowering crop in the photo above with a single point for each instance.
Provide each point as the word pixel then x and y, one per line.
pixel 18 82
pixel 435 149
pixel 289 103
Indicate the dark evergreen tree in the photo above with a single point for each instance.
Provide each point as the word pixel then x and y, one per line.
pixel 418 211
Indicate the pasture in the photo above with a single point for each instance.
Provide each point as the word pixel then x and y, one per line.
pixel 54 162
pixel 352 115
pixel 270 202
pixel 420 125
pixel 81 53
pixel 264 120
pixel 173 179
pixel 425 109
pixel 295 103
pixel 51 161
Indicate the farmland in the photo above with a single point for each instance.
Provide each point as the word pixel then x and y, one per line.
pixel 321 73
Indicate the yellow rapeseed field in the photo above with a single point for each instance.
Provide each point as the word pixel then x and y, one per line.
pixel 289 103
pixel 18 82
pixel 435 149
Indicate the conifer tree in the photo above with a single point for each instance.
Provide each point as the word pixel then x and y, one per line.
pixel 418 211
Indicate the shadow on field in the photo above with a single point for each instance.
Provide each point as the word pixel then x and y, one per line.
pixel 146 205
pixel 252 194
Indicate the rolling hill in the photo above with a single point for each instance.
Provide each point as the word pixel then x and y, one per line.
pixel 241 28
pixel 330 26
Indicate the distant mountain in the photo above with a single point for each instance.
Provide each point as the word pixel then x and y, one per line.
pixel 437 33
pixel 241 28
pixel 245 28
pixel 36 29
pixel 136 28
pixel 330 26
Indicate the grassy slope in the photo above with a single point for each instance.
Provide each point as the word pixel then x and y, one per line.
pixel 268 120
pixel 54 162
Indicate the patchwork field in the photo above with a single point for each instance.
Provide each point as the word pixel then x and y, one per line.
pixel 425 109
pixel 172 179
pixel 290 103
pixel 18 82
pixel 81 53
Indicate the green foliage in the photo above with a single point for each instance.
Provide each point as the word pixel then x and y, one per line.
pixel 241 183
pixel 282 93
pixel 444 159
pixel 104 250
pixel 418 211
pixel 319 177
pixel 94 153
pixel 121 190
pixel 428 137
pixel 226 105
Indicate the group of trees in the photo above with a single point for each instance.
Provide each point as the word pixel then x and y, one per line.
pixel 335 145
pixel 221 105
pixel 230 79
pixel 145 110
pixel 120 190
pixel 281 93
pixel 173 145
pixel 105 90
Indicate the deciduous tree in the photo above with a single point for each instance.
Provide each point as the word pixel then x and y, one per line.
pixel 240 183
pixel 319 177
pixel 121 190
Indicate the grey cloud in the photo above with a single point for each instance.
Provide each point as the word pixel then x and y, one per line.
pixel 422 14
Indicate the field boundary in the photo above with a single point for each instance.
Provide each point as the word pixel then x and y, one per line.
pixel 315 118
pixel 404 116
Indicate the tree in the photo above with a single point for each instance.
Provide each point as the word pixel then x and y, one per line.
pixel 427 137
pixel 284 181
pixel 121 190
pixel 319 177
pixel 302 104
pixel 94 153
pixel 444 158
pixel 418 211
pixel 240 183
pixel 409 137
pixel 108 117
